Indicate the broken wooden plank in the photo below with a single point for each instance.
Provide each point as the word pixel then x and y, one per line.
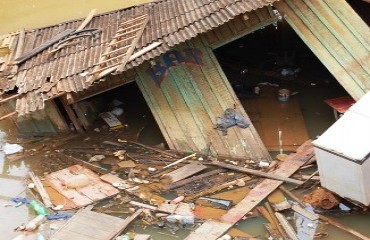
pixel 185 171
pixel 287 227
pixel 212 229
pixel 278 201
pixel 86 163
pixel 309 178
pixel 305 213
pixel 327 219
pixel 255 172
pixel 40 188
pixel 43 46
pixel 57 198
pixel 275 220
pixel 10 97
pixel 87 225
pixel 192 179
pixel 8 115
pixel 215 189
pixel 87 20
pixel 127 222
pixel 180 160
pixel 95 189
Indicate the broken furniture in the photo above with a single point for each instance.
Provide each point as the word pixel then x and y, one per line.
pixel 343 154
pixel 340 105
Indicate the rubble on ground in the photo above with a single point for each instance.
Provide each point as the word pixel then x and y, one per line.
pixel 125 183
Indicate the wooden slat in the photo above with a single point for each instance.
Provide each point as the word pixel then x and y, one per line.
pixel 114 51
pixel 120 41
pixel 186 171
pixel 87 20
pixel 86 225
pixel 40 188
pixel 8 115
pixel 95 191
pixel 126 55
pixel 319 44
pixel 134 20
pixel 127 222
pixel 287 227
pixel 133 56
pixel 256 172
pixel 130 51
pixel 192 179
pixel 212 230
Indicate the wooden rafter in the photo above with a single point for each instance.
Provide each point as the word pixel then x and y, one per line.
pixel 121 48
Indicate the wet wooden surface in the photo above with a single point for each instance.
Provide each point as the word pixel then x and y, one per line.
pixel 213 229
pixel 87 225
pixel 96 189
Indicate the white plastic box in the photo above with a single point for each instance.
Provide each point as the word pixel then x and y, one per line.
pixel 343 154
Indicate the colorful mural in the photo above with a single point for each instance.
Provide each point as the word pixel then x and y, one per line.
pixel 159 71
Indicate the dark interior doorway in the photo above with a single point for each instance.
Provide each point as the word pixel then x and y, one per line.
pixel 275 58
pixel 139 123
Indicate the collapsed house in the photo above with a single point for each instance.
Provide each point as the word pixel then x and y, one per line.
pixel 167 49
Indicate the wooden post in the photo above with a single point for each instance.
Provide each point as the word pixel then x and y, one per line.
pixel 71 114
pixel 8 115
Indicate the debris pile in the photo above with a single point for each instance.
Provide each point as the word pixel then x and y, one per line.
pixel 110 185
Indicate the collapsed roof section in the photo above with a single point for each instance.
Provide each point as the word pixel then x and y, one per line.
pixel 68 57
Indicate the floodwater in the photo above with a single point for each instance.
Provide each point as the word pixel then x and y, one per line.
pixel 13 173
pixel 18 14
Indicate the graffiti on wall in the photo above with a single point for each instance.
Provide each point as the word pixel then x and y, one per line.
pixel 173 58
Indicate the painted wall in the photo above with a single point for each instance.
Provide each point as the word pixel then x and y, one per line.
pixel 186 90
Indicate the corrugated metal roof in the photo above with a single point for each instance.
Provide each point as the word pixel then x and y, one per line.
pixel 350 135
pixel 171 22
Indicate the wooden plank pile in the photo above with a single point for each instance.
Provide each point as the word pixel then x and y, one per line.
pixel 217 193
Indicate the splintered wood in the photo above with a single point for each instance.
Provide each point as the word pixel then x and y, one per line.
pixel 186 171
pixel 213 229
pixel 95 189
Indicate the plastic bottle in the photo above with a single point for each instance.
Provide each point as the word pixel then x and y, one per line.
pixel 180 219
pixel 39 209
pixel 34 223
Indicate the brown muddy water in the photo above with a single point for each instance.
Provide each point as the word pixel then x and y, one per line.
pixel 18 14
pixel 13 173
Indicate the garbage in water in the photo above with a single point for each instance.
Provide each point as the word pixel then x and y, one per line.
pixel 200 195
pixel 229 119
pixel 38 208
pixel 35 223
pixel 8 148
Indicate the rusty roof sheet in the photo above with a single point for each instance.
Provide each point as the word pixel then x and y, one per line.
pixel 172 22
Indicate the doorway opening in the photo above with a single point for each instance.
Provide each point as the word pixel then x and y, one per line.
pixel 281 84
pixel 126 105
